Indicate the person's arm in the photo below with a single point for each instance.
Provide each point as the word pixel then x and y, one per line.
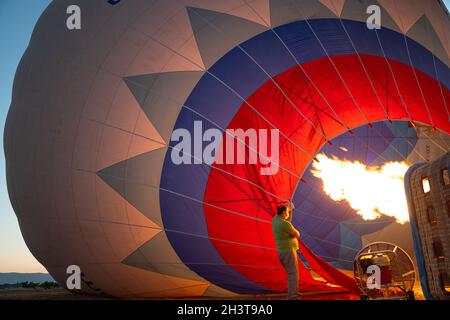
pixel 292 231
pixel 295 233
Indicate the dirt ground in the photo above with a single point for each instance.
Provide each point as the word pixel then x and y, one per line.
pixel 41 294
pixel 62 294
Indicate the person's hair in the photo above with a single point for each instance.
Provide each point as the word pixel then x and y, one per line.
pixel 281 209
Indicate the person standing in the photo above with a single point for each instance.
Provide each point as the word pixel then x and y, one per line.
pixel 287 245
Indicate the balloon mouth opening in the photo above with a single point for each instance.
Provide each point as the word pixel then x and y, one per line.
pixel 359 170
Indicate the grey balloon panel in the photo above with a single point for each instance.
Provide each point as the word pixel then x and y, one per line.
pixel 57 243
pixel 135 170
pixel 357 11
pixel 150 257
pixel 426 149
pixel 142 197
pixel 146 200
pixel 124 52
pixel 86 148
pixel 31 160
pixel 423 32
pixel 162 95
pixel 105 27
pixel 101 96
pixel 133 180
pixel 287 11
pixel 215 32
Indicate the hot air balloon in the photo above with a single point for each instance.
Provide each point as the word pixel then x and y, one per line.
pixel 89 136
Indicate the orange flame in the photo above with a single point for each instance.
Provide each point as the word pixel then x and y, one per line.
pixel 371 191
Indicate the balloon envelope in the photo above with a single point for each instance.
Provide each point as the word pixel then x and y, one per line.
pixel 89 151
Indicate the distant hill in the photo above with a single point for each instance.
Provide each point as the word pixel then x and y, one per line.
pixel 13 277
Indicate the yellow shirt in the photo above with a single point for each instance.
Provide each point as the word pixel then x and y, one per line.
pixel 282 231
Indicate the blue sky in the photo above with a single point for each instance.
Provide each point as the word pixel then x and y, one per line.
pixel 17 19
pixel 20 16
